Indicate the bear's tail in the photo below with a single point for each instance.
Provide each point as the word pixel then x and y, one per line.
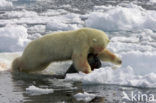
pixel 16 64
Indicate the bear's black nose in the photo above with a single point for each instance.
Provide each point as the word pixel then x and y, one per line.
pixel 120 61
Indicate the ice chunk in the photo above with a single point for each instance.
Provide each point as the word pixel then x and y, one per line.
pixel 143 63
pixel 121 76
pixel 125 39
pixel 84 96
pixel 58 25
pixel 37 29
pixel 64 22
pixel 5 4
pixel 33 90
pixel 152 1
pixel 13 38
pixel 19 14
pixel 122 18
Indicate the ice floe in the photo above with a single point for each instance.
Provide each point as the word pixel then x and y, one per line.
pixel 33 90
pixel 84 96
pixel 4 4
pixel 116 18
pixel 13 38
pixel 122 76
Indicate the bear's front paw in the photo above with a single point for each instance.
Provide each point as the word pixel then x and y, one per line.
pixel 86 71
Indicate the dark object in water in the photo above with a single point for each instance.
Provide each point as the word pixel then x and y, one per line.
pixel 93 61
pixel 34 76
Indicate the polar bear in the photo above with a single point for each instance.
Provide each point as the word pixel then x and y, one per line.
pixel 61 46
pixel 95 63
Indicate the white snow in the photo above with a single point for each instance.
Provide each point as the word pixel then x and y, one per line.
pixel 107 18
pixel 120 76
pixel 52 12
pixel 84 96
pixel 125 39
pixel 33 90
pixel 13 38
pixel 142 63
pixel 44 20
pixel 58 25
pixel 122 18
pixel 34 36
pixel 65 22
pixel 5 4
pixel 37 29
pixel 152 1
pixel 20 14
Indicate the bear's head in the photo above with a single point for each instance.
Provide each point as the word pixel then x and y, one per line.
pixel 99 42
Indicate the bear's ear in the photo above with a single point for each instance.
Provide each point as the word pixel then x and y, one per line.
pixel 94 40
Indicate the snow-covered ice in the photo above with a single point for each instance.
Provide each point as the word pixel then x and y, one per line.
pixel 152 1
pixel 13 38
pixel 65 22
pixel 122 76
pixel 4 4
pixel 122 18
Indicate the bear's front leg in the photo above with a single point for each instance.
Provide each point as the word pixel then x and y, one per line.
pixel 108 56
pixel 80 61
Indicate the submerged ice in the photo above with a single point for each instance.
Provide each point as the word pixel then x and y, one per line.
pixel 33 90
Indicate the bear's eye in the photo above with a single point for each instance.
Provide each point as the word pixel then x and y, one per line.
pixel 94 40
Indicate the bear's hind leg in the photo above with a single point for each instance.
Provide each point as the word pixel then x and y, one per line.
pixel 36 68
pixel 43 66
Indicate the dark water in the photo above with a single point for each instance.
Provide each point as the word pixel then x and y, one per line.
pixel 82 6
pixel 13 90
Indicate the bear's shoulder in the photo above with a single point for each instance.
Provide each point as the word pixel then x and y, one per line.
pixel 88 29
